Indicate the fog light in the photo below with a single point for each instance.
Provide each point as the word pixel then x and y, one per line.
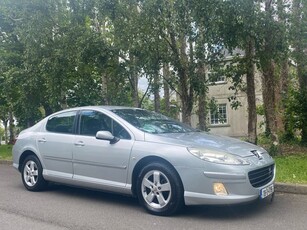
pixel 219 189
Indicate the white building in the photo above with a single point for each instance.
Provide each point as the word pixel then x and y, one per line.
pixel 228 121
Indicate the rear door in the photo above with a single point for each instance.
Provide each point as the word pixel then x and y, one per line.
pixel 55 144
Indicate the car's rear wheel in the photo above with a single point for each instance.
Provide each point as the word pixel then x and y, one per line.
pixel 159 189
pixel 31 174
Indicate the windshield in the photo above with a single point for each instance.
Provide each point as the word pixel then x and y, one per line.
pixel 152 122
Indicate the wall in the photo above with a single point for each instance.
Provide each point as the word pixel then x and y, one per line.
pixel 237 120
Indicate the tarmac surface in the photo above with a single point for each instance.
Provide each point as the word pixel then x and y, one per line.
pixel 68 208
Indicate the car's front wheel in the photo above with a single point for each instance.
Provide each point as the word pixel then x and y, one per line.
pixel 31 174
pixel 159 189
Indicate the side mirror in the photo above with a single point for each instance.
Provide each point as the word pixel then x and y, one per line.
pixel 106 135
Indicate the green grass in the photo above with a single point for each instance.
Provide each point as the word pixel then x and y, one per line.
pixel 290 168
pixel 6 152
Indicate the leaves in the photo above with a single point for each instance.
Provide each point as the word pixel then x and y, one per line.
pixel 56 54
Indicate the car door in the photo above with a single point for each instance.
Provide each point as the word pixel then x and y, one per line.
pixel 55 144
pixel 99 161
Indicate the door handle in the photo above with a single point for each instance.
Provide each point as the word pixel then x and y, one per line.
pixel 43 140
pixel 79 143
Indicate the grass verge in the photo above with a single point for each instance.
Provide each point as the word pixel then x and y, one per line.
pixel 6 152
pixel 290 168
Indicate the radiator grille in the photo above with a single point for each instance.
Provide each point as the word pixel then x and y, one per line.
pixel 261 176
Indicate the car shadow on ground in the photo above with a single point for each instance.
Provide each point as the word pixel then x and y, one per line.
pixel 92 195
pixel 227 212
pixel 219 212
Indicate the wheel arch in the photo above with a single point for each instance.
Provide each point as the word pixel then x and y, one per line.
pixel 146 161
pixel 23 156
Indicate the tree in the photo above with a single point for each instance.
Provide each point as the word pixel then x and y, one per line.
pixel 259 28
pixel 4 119
pixel 2 131
pixel 299 40
pixel 60 59
pixel 237 28
pixel 93 52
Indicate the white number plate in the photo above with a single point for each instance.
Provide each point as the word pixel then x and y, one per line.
pixel 266 191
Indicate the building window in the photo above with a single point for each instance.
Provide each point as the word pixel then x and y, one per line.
pixel 218 115
pixel 220 79
pixel 215 78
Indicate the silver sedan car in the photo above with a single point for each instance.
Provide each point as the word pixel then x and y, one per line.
pixel 164 163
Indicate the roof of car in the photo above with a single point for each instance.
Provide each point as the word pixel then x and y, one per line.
pixel 108 107
pixel 97 107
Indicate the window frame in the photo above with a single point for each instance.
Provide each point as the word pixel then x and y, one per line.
pixel 112 124
pixel 73 127
pixel 218 82
pixel 218 119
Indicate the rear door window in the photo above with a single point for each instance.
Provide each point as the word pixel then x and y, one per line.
pixel 62 123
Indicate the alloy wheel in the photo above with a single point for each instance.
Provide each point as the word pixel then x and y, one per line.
pixel 30 173
pixel 156 189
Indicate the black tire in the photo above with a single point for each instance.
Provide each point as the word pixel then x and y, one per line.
pixel 159 189
pixel 31 174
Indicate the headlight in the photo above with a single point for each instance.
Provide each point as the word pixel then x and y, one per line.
pixel 217 157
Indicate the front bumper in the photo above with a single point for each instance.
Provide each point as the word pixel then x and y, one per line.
pixel 16 166
pixel 192 198
pixel 199 191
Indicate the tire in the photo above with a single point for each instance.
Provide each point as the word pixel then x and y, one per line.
pixel 31 174
pixel 159 189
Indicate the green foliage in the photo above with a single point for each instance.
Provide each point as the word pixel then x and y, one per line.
pixel 57 54
pixel 5 152
pixel 266 141
pixel 260 110
pixel 57 63
pixel 291 169
pixel 296 112
pixel 174 110
pixel 1 133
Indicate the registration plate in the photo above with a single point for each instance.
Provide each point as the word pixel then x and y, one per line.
pixel 266 191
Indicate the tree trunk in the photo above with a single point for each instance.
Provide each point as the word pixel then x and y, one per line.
pixel 134 80
pixel 63 100
pixel 104 89
pixel 135 94
pixel 166 76
pixel 269 101
pixel 11 128
pixel 202 112
pixel 202 98
pixel 300 47
pixel 185 89
pixel 302 73
pixel 284 88
pixel 270 82
pixel 251 95
pixel 5 123
pixel 48 109
pixel 156 89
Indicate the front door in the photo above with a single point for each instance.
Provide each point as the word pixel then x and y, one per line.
pixel 98 161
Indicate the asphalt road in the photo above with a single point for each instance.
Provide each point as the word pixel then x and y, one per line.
pixel 62 207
